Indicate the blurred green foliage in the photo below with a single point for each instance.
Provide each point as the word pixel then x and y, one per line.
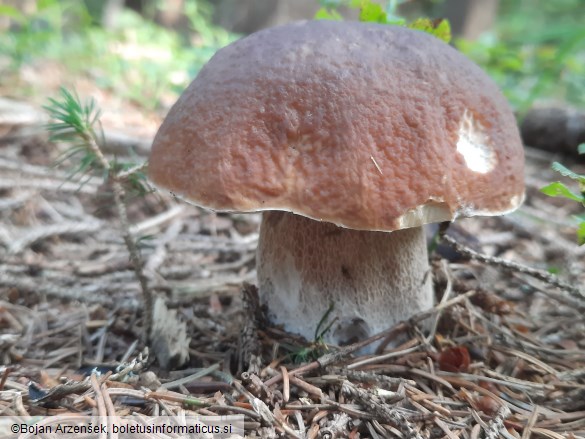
pixel 372 12
pixel 136 58
pixel 379 11
pixel 535 52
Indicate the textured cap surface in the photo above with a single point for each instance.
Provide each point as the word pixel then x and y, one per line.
pixel 366 126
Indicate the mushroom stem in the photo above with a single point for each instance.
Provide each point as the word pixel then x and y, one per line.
pixel 372 279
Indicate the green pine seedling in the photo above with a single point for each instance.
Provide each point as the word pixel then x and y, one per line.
pixel 77 124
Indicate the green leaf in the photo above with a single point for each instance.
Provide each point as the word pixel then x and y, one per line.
pixel 566 172
pixel 328 14
pixel 12 12
pixel 558 189
pixel 44 4
pixel 581 233
pixel 320 333
pixel 438 28
pixel 553 270
pixel 372 12
pixel 581 148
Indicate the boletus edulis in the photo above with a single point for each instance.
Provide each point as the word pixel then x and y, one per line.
pixel 349 137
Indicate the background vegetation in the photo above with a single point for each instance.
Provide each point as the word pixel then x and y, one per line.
pixel 134 57
pixel 535 50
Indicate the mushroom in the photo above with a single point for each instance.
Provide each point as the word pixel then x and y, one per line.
pixel 349 137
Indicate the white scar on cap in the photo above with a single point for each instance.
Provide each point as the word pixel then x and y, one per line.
pixel 474 145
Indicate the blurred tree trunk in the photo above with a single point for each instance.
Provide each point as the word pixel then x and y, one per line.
pixel 173 15
pixel 244 16
pixel 470 18
pixel 555 129
pixel 247 16
pixel 111 9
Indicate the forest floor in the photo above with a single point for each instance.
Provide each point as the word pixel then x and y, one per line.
pixel 506 357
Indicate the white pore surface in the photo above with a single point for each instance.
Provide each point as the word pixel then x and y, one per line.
pixel 372 279
pixel 474 145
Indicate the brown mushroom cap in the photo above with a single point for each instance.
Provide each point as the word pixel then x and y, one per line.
pixel 367 126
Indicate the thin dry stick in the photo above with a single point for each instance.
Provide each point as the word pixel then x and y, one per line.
pixel 530 424
pixel 285 385
pixel 157 220
pixel 36 234
pixel 110 409
pixel 444 299
pixel 576 304
pixel 262 409
pixel 123 175
pixel 101 404
pixel 27 172
pixel 443 426
pixel 309 388
pixel 382 411
pixel 86 294
pixel 5 377
pixel 496 425
pixel 46 184
pixel 372 377
pixel 188 379
pixel 514 266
